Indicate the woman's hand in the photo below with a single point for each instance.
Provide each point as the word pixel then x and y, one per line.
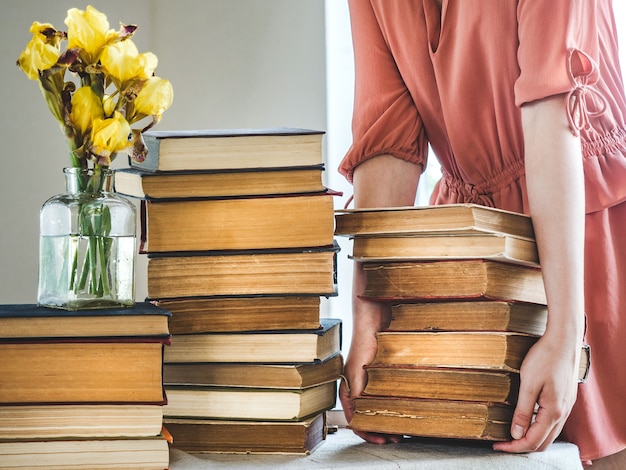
pixel 548 387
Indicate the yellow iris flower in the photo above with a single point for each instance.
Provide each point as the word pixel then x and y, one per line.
pixel 42 51
pixel 154 98
pixel 89 31
pixel 123 62
pixel 86 107
pixel 109 136
pixel 97 87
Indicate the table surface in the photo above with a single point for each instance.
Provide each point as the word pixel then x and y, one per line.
pixel 345 450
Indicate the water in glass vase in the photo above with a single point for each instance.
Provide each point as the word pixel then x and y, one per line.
pixel 87 245
pixel 82 272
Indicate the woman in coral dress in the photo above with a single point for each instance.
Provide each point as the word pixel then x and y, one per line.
pixel 522 102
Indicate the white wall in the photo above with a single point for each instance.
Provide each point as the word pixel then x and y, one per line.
pixel 233 63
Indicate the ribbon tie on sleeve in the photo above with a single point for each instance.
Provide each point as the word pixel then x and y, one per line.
pixel 584 100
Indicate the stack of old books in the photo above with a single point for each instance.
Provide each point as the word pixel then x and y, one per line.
pixel 82 389
pixel 239 232
pixel 467 301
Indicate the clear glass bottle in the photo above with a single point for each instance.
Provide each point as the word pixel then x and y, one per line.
pixel 87 245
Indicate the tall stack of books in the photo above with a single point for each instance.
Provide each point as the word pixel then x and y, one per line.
pixel 82 389
pixel 467 302
pixel 239 232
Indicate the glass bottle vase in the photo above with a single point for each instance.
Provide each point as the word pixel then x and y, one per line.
pixel 87 245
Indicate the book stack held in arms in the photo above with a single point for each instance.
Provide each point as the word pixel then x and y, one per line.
pixel 82 389
pixel 238 228
pixel 467 302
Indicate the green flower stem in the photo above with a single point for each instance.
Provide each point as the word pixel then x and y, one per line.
pixel 94 221
pixel 74 268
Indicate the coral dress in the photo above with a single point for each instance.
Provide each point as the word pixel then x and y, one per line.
pixel 455 78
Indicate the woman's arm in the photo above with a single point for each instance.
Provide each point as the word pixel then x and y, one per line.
pixel 382 181
pixel 556 197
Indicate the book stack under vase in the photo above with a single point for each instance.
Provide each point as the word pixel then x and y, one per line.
pixel 467 299
pixel 239 233
pixel 82 389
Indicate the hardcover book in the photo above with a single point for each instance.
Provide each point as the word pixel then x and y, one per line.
pixel 30 321
pixel 221 149
pixel 123 370
pixel 148 453
pixel 274 272
pixel 248 437
pixel 443 219
pixel 492 315
pixel 283 347
pixel 257 404
pixel 403 247
pixel 288 221
pixel 217 184
pixel 441 383
pixel 79 420
pixel 254 375
pixel 433 418
pixel 246 313
pixel 453 280
pixel 478 350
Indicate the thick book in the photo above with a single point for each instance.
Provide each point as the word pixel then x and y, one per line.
pixel 62 421
pixel 405 381
pixel 289 376
pixel 456 279
pixel 450 383
pixel 250 313
pixel 258 404
pixel 248 437
pixel 433 418
pixel 222 149
pixel 123 370
pixel 213 184
pixel 477 350
pixel 31 321
pixel 283 346
pixel 469 316
pixel 447 218
pixel 310 271
pixel 86 454
pixel 290 221
pixel 402 247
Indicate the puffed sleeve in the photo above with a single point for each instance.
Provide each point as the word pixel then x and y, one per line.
pixel 385 120
pixel 558 54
